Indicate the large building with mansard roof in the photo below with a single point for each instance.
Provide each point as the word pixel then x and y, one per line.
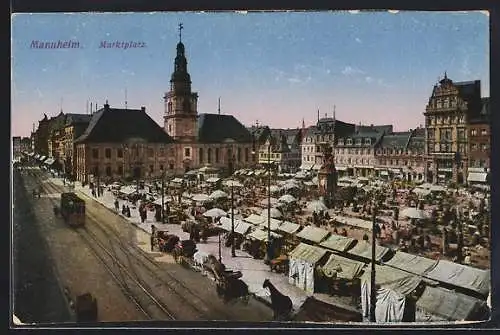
pixel 448 114
pixel 217 140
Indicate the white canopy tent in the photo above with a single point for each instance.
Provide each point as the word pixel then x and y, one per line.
pixel 302 263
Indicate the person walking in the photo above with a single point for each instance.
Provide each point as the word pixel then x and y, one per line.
pixel 117 205
pixel 153 236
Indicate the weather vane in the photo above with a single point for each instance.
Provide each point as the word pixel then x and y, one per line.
pixel 180 32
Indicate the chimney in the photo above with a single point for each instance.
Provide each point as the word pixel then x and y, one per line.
pixel 143 109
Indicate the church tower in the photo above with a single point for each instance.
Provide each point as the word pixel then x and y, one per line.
pixel 180 118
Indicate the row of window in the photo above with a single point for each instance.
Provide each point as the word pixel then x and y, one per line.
pixel 358 141
pixel 210 156
pixel 478 163
pixel 479 146
pixel 474 132
pixel 135 151
pixel 109 171
pixel 439 120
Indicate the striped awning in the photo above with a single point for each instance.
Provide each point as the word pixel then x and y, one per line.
pixel 479 177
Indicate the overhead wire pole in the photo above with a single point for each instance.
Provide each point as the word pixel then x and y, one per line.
pixel 233 251
pixel 373 290
pixel 268 251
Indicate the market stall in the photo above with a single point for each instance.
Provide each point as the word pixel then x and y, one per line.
pixel 302 264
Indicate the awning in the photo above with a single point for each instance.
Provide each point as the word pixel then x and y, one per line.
pixel 177 180
pixel 395 170
pixel 441 176
pixel 274 224
pixel 261 235
pixel 128 190
pixel 242 227
pixel 364 250
pixel 338 243
pixel 43 158
pixel 49 161
pixel 308 253
pixel 213 180
pixel 390 278
pixel 255 219
pixel 313 234
pixel 225 223
pixel 341 267
pixel 479 177
pixel 443 304
pixel 341 168
pixel 412 263
pixel 461 276
pixel 384 173
pixel 289 227
pixel 356 222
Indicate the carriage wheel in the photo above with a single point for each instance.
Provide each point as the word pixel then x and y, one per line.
pixel 220 291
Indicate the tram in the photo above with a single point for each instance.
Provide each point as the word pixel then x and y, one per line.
pixel 72 209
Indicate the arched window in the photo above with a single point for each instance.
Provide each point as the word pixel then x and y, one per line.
pixel 201 155
pixel 246 154
pixel 209 155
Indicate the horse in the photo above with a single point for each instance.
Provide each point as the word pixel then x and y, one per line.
pixel 234 289
pixel 281 304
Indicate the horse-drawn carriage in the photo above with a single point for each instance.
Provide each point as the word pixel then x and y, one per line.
pixel 184 251
pixel 228 283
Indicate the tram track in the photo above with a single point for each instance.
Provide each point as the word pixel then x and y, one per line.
pixel 135 254
pixel 174 285
pixel 124 277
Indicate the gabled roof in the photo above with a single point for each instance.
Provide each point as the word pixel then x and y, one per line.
pixel 417 140
pixel 395 140
pixel 77 118
pixel 260 133
pixel 112 125
pixel 218 128
pixel 311 131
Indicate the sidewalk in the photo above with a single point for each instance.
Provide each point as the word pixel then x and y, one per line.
pixel 254 271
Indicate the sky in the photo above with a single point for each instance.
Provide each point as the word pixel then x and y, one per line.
pixel 271 68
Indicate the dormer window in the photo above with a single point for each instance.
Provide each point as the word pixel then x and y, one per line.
pixel 349 141
pixel 341 142
pixel 368 141
pixel 358 141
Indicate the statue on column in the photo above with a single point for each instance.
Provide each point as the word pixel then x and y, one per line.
pixel 327 177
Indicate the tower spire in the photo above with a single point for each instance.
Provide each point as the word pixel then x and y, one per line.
pixel 218 109
pixel 125 98
pixel 180 32
pixel 334 112
pixel 318 114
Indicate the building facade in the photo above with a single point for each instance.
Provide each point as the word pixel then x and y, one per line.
pixel 447 115
pixel 324 134
pixel 16 147
pixel 479 132
pixel 400 155
pixel 355 153
pixel 123 144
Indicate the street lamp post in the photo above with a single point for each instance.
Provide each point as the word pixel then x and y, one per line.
pixel 163 197
pixel 373 291
pixel 220 254
pixel 268 253
pixel 233 251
